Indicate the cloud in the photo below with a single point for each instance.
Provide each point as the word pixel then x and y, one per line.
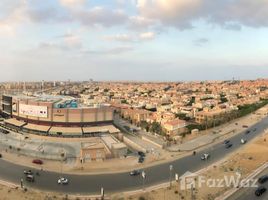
pixel 66 42
pixel 178 13
pixel 140 23
pixel 11 16
pixel 147 36
pixel 131 38
pixel 110 51
pixel 101 16
pixel 119 37
pixel 72 3
pixel 200 42
pixel 229 14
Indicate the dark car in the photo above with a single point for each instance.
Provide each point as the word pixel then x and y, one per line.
pixel 229 145
pixel 263 179
pixel 247 132
pixel 141 159
pixel 135 173
pixel 30 178
pixel 37 161
pixel 140 153
pixel 226 141
pixel 260 190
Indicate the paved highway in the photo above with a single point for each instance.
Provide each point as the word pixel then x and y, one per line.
pixel 91 184
pixel 249 193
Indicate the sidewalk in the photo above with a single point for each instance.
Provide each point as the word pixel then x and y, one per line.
pixel 216 133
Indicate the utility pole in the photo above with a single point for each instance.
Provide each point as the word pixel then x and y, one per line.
pixel 177 180
pixel 102 193
pixel 143 175
pixel 170 175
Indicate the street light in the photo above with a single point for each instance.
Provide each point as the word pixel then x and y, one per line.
pixel 143 175
pixel 102 193
pixel 170 174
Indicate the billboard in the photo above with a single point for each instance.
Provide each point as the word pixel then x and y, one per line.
pixel 33 111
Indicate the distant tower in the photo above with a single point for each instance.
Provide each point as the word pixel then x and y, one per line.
pixel 42 86
pixel 24 86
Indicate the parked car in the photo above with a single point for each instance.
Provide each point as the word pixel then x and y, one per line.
pixel 263 179
pixel 140 153
pixel 247 132
pixel 229 145
pixel 30 178
pixel 37 161
pixel 260 190
pixel 141 159
pixel 63 181
pixel 135 173
pixel 205 156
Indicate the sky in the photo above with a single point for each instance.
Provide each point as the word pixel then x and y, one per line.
pixel 143 40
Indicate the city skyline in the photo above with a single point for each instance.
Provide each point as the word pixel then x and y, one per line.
pixel 139 40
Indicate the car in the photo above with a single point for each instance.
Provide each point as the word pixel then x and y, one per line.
pixel 63 181
pixel 140 153
pixel 263 179
pixel 135 173
pixel 30 178
pixel 243 141
pixel 205 156
pixel 260 190
pixel 247 132
pixel 37 161
pixel 141 159
pixel 226 141
pixel 229 145
pixel 28 172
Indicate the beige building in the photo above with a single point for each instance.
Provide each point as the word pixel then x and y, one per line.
pixel 58 111
pixel 175 127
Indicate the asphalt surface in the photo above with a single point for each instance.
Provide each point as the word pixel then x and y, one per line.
pixel 249 193
pixel 91 184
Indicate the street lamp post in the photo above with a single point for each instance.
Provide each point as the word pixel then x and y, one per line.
pixel 170 175
pixel 143 175
pixel 102 193
pixel 21 183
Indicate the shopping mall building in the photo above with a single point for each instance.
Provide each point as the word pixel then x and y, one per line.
pixel 55 115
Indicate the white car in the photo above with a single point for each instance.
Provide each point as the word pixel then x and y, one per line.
pixel 63 181
pixel 205 156
pixel 243 141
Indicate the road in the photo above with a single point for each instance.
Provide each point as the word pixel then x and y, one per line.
pixel 248 193
pixel 91 184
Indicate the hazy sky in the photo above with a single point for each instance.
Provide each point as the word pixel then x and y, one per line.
pixel 133 39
